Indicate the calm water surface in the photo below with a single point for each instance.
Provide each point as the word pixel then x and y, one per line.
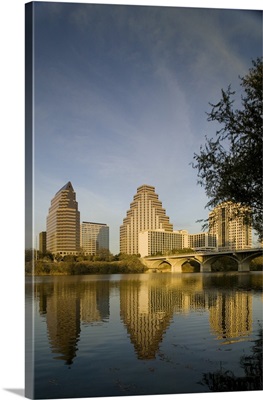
pixel 111 335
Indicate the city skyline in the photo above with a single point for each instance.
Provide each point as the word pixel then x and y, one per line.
pixel 121 94
pixel 145 230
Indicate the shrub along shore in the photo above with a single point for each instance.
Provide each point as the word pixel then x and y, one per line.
pixel 84 267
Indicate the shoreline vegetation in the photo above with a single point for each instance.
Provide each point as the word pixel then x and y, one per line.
pixel 38 264
pixel 41 267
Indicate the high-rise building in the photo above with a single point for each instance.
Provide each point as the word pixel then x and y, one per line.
pixel 94 237
pixel 145 213
pixel 43 242
pixel 230 222
pixel 63 222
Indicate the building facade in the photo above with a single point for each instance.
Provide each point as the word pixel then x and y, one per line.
pixel 152 242
pixel 63 222
pixel 93 237
pixel 229 221
pixel 42 242
pixel 145 213
pixel 202 241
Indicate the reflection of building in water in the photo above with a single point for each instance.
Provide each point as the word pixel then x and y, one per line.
pixel 147 307
pixel 146 320
pixel 231 315
pixel 66 306
pixel 95 306
pixel 63 322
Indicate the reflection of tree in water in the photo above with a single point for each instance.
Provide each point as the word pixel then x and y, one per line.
pixel 223 381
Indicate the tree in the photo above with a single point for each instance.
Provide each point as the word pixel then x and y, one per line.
pixel 103 255
pixel 230 165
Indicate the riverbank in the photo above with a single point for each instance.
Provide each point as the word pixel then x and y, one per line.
pixel 83 267
pixel 126 265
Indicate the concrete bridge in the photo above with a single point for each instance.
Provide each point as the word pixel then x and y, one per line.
pixel 203 260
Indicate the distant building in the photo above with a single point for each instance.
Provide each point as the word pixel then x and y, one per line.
pixel 94 237
pixel 230 222
pixel 43 242
pixel 63 222
pixel 202 241
pixel 158 241
pixel 145 213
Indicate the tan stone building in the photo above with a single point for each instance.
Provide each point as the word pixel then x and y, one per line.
pixel 145 213
pixel 63 222
pixel 202 241
pixel 228 222
pixel 152 242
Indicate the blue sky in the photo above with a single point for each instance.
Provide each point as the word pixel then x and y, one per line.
pixel 121 95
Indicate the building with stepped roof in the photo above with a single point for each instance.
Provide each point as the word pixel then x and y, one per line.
pixel 63 222
pixel 145 213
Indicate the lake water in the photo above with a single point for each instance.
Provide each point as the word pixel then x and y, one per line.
pixel 164 333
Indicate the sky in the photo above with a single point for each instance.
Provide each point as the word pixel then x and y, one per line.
pixel 120 100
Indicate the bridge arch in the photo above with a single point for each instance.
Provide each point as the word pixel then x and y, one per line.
pixel 251 257
pixel 214 263
pixel 191 265
pixel 165 265
pixel 185 264
pixel 159 264
pixel 244 262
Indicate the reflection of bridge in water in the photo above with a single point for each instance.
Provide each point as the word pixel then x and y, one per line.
pixel 204 260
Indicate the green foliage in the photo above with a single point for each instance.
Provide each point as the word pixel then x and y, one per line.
pixel 30 255
pixel 103 255
pixel 191 266
pixel 129 264
pixel 58 257
pixel 186 250
pixel 230 165
pixel 47 256
pixel 224 264
pixel 173 251
pixel 70 258
pixel 257 264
